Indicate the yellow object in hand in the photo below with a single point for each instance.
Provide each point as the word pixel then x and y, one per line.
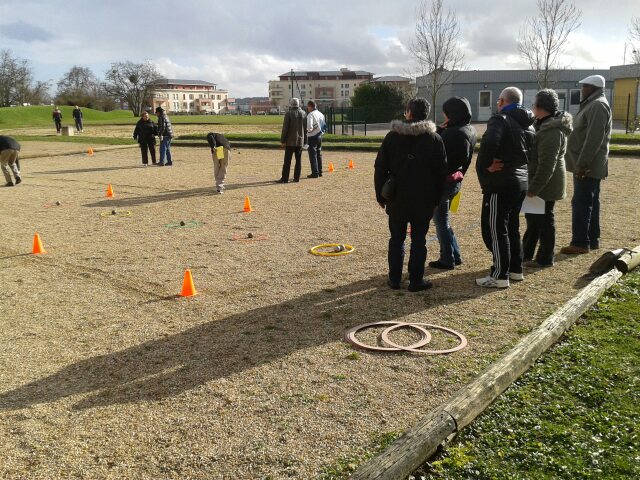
pixel 220 153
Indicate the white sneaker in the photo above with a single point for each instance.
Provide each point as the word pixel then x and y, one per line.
pixel 516 277
pixel 490 282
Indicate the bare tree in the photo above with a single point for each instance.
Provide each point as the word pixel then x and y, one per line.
pixel 436 46
pixel 634 31
pixel 131 82
pixel 15 79
pixel 544 38
pixel 79 86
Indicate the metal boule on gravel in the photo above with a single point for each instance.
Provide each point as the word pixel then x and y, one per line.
pixel 113 212
pixel 58 203
pixel 249 235
pixel 182 224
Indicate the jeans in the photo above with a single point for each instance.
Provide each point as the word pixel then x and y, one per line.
pixel 286 166
pixel 540 228
pixel 165 150
pixel 585 213
pixel 501 231
pixel 418 255
pixel 449 250
pixel 315 154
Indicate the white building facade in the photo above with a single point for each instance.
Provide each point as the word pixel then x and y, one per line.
pixel 189 97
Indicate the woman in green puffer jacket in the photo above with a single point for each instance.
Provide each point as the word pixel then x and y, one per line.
pixel 547 177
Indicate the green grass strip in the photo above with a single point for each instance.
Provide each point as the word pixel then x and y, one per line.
pixel 574 415
pixel 74 139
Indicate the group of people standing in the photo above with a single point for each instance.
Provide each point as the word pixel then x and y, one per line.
pixel 301 131
pixel 146 132
pixel 78 118
pixel 420 168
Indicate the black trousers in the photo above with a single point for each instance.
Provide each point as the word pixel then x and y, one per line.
pixel 501 231
pixel 541 229
pixel 152 150
pixel 289 152
pixel 417 257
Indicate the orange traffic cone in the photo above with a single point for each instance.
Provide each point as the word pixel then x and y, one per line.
pixel 37 245
pixel 188 288
pixel 351 166
pixel 331 167
pixel 109 191
pixel 247 205
pixel 90 151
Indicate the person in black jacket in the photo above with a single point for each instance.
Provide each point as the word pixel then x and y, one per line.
pixel 502 171
pixel 221 154
pixel 145 132
pixel 413 158
pixel 77 116
pixel 9 150
pixel 459 139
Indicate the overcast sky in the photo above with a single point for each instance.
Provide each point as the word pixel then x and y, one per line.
pixel 241 44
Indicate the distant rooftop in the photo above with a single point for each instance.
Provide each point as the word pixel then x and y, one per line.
pixel 391 78
pixel 524 76
pixel 343 72
pixel 179 81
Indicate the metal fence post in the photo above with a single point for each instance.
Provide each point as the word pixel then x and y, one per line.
pixel 626 126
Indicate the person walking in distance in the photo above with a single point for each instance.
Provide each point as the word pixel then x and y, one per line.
pixel 78 117
pixel 165 134
pixel 292 138
pixel 459 139
pixel 410 171
pixel 588 159
pixel 57 119
pixel 502 171
pixel 315 127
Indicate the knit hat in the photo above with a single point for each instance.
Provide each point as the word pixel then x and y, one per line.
pixel 159 110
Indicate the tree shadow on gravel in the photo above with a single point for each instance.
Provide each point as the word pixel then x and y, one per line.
pixel 172 195
pixel 169 366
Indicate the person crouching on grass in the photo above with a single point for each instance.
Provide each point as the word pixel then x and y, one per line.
pixel 221 154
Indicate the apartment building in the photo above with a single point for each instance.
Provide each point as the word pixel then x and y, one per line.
pixel 401 83
pixel 189 96
pixel 333 88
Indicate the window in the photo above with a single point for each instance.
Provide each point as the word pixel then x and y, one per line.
pixel 217 97
pixel 575 97
pixel 485 99
pixel 562 100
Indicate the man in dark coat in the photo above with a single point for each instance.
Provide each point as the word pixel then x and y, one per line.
pixel 145 133
pixel 9 149
pixel 502 171
pixel 413 155
pixel 293 137
pixel 459 139
pixel 165 134
pixel 77 116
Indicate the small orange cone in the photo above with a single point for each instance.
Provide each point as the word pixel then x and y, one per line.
pixel 247 205
pixel 351 165
pixel 90 151
pixel 188 288
pixel 109 191
pixel 331 167
pixel 37 245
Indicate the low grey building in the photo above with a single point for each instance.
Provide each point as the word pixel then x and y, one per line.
pixel 482 88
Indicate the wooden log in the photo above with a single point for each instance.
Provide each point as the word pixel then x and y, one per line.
pixel 629 260
pixel 420 442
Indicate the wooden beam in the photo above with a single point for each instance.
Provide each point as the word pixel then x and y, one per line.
pixel 420 442
pixel 629 260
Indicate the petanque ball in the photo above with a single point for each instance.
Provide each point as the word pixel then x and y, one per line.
pixel 340 248
pixel 113 212
pixel 249 235
pixel 58 203
pixel 182 224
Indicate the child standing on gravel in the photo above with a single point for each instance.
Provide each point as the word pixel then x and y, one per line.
pixel 221 154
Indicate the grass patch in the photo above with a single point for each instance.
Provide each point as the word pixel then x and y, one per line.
pixel 574 415
pixel 90 140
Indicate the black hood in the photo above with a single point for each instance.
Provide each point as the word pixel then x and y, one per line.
pixel 524 117
pixel 458 110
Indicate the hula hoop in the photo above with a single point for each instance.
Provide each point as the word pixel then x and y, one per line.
pixel 348 249
pixel 385 338
pixel 256 238
pixel 123 213
pixel 350 336
pixel 189 224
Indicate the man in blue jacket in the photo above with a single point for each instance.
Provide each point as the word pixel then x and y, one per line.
pixel 502 171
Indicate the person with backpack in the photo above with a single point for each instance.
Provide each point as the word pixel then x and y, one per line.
pixel 57 119
pixel 459 139
pixel 145 133
pixel 502 171
pixel 315 128
pixel 221 154
pixel 410 171
pixel 77 116
pixel 165 134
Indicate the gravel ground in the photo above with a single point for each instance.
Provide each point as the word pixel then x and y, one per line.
pixel 106 373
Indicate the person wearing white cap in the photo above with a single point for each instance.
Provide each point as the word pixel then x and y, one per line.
pixel 587 158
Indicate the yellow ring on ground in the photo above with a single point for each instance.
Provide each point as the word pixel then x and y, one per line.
pixel 314 250
pixel 122 213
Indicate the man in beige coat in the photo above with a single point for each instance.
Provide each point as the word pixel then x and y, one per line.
pixel 293 137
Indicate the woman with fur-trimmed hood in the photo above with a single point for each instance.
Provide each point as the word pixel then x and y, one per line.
pixel 410 172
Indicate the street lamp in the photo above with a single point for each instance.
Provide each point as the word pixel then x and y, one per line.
pixel 624 56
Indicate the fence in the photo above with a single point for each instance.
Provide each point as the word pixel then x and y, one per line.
pixel 626 109
pixel 358 120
